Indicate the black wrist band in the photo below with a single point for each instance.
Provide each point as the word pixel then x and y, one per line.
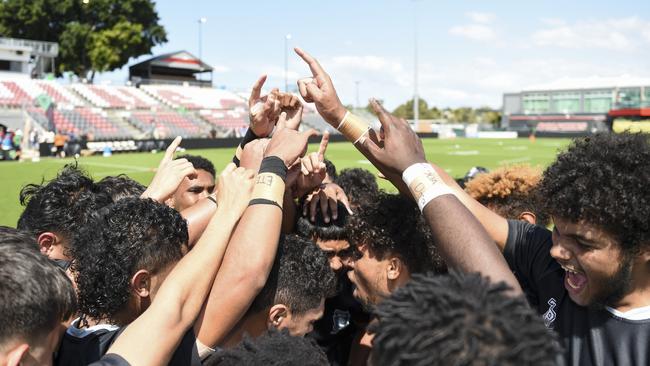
pixel 213 200
pixel 235 160
pixel 248 137
pixel 275 165
pixel 263 201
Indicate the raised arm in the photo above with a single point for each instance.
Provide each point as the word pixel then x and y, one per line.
pixel 462 240
pixel 184 291
pixel 253 246
pixel 320 90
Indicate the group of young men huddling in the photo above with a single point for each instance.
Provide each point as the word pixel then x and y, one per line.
pixel 279 260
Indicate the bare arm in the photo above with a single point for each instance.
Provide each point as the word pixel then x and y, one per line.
pixel 462 241
pixel 251 251
pixel 182 294
pixel 198 216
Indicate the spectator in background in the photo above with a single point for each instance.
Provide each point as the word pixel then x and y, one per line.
pixel 7 145
pixel 195 187
pixel 510 192
pixel 59 143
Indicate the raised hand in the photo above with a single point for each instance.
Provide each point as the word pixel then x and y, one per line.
pixel 253 154
pixel 313 169
pixel 290 104
pixel 234 188
pixel 401 145
pixel 288 144
pixel 263 110
pixel 325 196
pixel 169 175
pixel 320 90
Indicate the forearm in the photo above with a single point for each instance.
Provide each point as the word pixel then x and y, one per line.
pixel 198 216
pixel 242 275
pixel 495 225
pixel 463 242
pixel 288 213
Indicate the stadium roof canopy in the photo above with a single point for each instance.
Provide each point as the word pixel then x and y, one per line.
pixel 180 66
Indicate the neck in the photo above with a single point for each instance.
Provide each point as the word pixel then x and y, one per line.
pixel 252 324
pixel 639 295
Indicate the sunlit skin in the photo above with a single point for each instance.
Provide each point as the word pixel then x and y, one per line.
pixel 338 253
pixel 191 190
pixel 592 258
pixel 369 277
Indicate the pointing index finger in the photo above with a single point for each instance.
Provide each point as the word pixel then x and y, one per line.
pixel 171 149
pixel 256 92
pixel 316 68
pixel 323 144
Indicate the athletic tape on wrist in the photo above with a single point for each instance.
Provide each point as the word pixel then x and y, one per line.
pixel 275 165
pixel 248 137
pixel 424 183
pixel 353 128
pixel 269 189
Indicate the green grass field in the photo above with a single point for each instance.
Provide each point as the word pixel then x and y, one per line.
pixel 456 156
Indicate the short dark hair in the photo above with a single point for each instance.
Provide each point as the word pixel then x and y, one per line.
pixel 121 186
pixel 199 162
pixel 300 277
pixel 459 319
pixel 359 185
pixel 321 230
pixel 11 236
pixel 275 347
pixel 36 295
pixel 64 205
pixel 132 234
pixel 392 224
pixel 603 180
pixel 331 169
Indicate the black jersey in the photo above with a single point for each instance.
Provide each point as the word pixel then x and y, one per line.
pixel 589 336
pixel 76 350
pixel 111 360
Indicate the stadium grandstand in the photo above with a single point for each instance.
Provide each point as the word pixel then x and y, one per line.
pixel 162 99
pixel 577 107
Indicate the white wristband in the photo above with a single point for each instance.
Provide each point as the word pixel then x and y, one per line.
pixel 424 183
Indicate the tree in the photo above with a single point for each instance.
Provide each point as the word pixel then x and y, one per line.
pixel 96 36
pixel 406 110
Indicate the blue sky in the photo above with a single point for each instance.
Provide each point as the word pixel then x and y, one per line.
pixel 470 51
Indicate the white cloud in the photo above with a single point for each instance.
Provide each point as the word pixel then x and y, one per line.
pixel 220 68
pixel 483 18
pixel 475 32
pixel 614 34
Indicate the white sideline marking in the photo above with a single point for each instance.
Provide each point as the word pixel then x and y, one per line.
pixel 510 161
pixel 363 162
pixel 516 148
pixel 463 152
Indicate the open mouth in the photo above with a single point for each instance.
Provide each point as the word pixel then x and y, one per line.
pixel 575 281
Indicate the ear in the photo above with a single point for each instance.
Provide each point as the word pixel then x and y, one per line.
pixel 277 315
pixel 528 216
pixel 47 241
pixel 141 283
pixel 16 355
pixel 170 202
pixel 395 268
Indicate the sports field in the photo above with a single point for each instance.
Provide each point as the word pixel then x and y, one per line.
pixel 456 156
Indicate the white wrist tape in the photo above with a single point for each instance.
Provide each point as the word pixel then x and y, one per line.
pixel 424 183
pixel 353 128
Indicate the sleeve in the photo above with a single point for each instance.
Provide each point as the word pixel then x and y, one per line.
pixel 527 252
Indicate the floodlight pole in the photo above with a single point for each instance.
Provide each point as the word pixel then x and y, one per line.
pixel 286 62
pixel 201 21
pixel 416 99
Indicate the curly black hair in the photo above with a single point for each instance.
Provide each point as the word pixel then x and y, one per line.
pixel 276 347
pixel 392 224
pixel 331 169
pixel 64 205
pixel 36 295
pixel 359 185
pixel 11 236
pixel 121 186
pixel 132 234
pixel 199 162
pixel 459 319
pixel 300 278
pixel 321 230
pixel 603 180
